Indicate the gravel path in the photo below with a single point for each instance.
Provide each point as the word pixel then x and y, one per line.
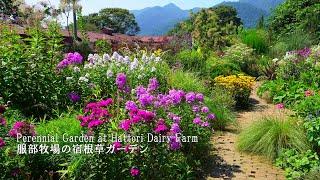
pixel 228 163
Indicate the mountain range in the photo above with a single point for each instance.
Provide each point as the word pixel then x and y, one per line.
pixel 159 20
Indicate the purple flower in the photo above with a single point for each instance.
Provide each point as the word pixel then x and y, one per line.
pixel 3 121
pixel 153 84
pixel 125 124
pixel 197 120
pixel 205 109
pixel 176 119
pixel 131 106
pixel 174 144
pixel 134 171
pixel 195 109
pixel 76 58
pixel 2 143
pixel 146 99
pixel 140 90
pixel 205 124
pixel 190 97
pixel 121 81
pixel 304 52
pixel 211 116
pixel 199 97
pixel 63 64
pixel 175 128
pixel 74 97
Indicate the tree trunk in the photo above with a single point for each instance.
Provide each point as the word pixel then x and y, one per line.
pixel 75 31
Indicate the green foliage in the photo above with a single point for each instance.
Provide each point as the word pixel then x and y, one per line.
pixel 297 164
pixel 314 174
pixel 209 32
pixel 103 46
pixel 186 81
pixel 294 16
pixel 216 67
pixel 191 60
pixel 297 40
pixel 221 103
pixel 312 126
pixel 270 135
pixel 120 20
pixel 27 73
pixel 256 39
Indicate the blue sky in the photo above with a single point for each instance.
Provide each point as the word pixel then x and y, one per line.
pixel 90 6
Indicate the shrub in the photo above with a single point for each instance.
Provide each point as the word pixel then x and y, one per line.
pixel 191 60
pixel 314 174
pixel 270 135
pixel 27 71
pixel 243 55
pixel 298 165
pixel 312 126
pixel 221 67
pixel 239 85
pixel 103 46
pixel 186 81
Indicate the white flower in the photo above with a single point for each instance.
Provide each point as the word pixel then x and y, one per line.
pixel 88 66
pixel 153 69
pixel 126 60
pixel 134 64
pixel 275 60
pixel 106 57
pixel 87 75
pixel 69 78
pixel 76 69
pixel 158 59
pixel 115 55
pixel 139 76
pixel 83 79
pixel 109 73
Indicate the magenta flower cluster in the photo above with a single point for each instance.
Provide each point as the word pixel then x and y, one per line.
pixel 70 59
pixel 96 114
pixel 21 127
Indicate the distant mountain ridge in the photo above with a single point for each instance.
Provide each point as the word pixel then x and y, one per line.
pixel 159 20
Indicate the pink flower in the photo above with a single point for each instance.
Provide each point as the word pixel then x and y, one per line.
pixel 116 146
pixel 280 106
pixel 197 120
pixel 161 126
pixel 308 93
pixel 134 171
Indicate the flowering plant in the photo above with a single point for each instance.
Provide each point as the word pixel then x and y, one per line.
pixel 173 115
pixel 239 85
pixel 97 75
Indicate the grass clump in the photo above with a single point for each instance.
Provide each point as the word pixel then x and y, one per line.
pixel 272 134
pixel 186 81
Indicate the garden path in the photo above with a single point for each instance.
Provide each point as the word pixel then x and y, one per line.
pixel 229 163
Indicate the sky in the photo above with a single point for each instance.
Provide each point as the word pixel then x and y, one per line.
pixel 91 6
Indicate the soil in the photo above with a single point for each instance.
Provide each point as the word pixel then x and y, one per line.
pixel 228 163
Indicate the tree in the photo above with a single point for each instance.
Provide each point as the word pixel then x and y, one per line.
pixel 227 14
pixel 9 8
pixel 213 26
pixel 293 16
pixel 120 20
pixel 68 6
